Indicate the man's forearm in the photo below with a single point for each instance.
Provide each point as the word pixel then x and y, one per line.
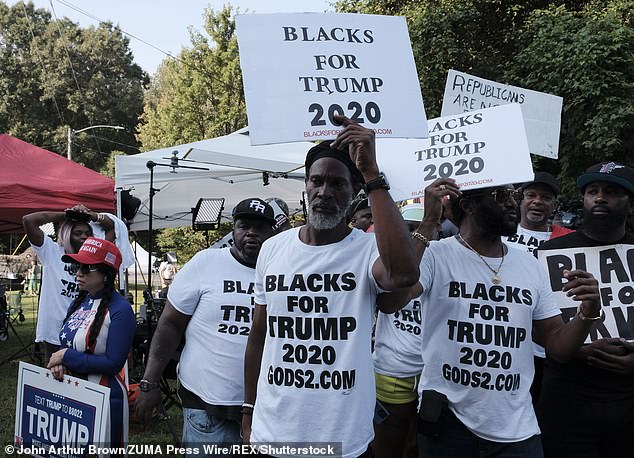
pixel 252 362
pixel 393 240
pixel 164 343
pixel 565 342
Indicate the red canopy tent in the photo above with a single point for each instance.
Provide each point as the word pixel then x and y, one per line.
pixel 34 179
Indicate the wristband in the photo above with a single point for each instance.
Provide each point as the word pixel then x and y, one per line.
pixel 587 318
pixel 247 409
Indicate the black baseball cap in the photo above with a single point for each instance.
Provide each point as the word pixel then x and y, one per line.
pixel 254 207
pixel 544 178
pixel 356 205
pixel 608 171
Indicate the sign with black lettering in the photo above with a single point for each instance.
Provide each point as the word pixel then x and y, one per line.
pixel 541 111
pixel 479 149
pixel 613 267
pixel 54 418
pixel 300 70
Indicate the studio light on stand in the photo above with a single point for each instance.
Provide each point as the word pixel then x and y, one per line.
pixel 206 215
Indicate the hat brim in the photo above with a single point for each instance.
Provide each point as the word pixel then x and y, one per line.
pixel 585 180
pixel 271 221
pixel 83 258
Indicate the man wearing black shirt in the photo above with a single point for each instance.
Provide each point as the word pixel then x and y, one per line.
pixel 586 408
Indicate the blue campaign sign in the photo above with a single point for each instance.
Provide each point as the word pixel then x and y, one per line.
pixel 51 419
pixel 59 419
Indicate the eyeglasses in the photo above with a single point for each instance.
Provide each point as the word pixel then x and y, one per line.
pixel 502 195
pixel 86 268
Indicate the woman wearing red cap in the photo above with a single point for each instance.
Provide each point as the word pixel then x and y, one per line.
pixel 98 330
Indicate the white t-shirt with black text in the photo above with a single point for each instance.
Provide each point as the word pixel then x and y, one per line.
pixel 217 291
pixel 477 336
pixel 316 379
pixel 59 289
pixel 397 342
pixel 526 239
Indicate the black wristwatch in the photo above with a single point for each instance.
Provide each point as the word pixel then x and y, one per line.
pixel 377 183
pixel 145 385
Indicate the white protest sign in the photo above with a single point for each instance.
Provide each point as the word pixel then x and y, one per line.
pixel 299 70
pixel 480 149
pixel 54 418
pixel 613 267
pixel 542 112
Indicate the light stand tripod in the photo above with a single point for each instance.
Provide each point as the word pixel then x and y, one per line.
pixel 169 393
pixel 8 323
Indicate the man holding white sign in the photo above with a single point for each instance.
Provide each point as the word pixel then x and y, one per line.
pixel 586 408
pixel 482 305
pixel 308 357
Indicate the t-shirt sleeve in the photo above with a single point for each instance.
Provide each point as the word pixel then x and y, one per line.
pixel 260 266
pixel 373 257
pixel 427 266
pixel 184 293
pixel 546 304
pixel 48 252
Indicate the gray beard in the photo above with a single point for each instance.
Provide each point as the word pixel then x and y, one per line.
pixel 324 222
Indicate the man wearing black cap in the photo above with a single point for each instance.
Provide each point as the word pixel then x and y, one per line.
pixel 308 357
pixel 360 213
pixel 539 201
pixel 586 408
pixel 210 301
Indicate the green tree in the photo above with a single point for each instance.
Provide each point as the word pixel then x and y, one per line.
pixel 198 95
pixel 186 242
pixel 54 74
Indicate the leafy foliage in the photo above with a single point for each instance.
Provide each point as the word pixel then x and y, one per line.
pixel 200 94
pixel 185 242
pixel 580 50
pixel 54 74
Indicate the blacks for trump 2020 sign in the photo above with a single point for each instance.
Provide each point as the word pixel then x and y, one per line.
pixel 613 267
pixel 55 419
pixel 300 70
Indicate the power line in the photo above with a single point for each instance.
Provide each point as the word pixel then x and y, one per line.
pixel 72 69
pixel 203 71
pixel 39 58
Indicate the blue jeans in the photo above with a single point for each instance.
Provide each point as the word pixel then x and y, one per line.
pixel 456 441
pixel 201 428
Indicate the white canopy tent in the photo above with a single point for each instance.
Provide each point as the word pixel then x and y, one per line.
pixel 138 272
pixel 235 172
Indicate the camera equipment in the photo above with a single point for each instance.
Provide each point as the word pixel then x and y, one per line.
pixel 78 216
pixel 571 212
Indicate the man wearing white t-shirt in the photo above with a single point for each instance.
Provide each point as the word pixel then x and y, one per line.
pixel 483 303
pixel 210 301
pixel 309 355
pixel 537 205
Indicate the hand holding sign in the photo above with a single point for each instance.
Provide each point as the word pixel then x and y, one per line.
pixel 360 144
pixel 582 286
pixel 434 195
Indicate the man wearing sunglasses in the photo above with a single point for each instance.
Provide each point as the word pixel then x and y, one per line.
pixel 210 301
pixel 482 305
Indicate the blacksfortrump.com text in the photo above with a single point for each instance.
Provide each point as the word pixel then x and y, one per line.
pixel 276 449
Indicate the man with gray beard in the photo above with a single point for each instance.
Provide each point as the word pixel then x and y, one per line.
pixel 308 357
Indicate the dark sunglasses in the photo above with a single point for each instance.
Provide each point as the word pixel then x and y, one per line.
pixel 86 268
pixel 502 195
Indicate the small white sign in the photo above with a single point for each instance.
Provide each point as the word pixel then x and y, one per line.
pixel 610 265
pixel 54 418
pixel 300 70
pixel 480 149
pixel 542 112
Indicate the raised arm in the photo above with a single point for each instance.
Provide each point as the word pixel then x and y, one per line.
pixel 396 266
pixel 33 221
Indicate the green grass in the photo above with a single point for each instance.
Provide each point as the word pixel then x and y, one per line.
pixel 156 433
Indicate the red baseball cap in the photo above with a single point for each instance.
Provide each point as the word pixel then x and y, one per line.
pixel 96 251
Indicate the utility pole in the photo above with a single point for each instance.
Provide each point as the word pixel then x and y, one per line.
pixel 71 132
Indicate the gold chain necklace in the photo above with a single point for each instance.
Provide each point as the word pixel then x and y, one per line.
pixel 496 279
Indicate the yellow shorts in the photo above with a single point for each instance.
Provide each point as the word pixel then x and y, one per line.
pixel 396 390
